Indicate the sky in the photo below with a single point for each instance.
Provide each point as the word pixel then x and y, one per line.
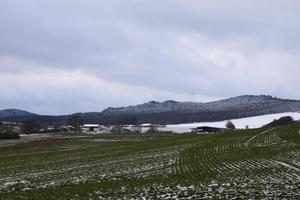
pixel 66 56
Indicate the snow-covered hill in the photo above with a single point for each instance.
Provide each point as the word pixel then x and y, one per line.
pixel 171 112
pixel 157 107
pixel 244 102
pixel 251 122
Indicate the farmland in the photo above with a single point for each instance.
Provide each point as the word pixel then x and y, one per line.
pixel 257 163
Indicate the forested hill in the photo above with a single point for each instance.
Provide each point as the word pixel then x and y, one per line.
pixel 171 112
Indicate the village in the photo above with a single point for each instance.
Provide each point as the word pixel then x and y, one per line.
pixel 12 130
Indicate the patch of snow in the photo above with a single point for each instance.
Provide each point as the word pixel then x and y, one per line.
pixel 251 122
pixel 287 165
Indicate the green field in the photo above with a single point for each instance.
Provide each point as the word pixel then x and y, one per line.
pixel 260 163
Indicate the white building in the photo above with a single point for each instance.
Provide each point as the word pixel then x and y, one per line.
pixel 89 127
pixel 94 128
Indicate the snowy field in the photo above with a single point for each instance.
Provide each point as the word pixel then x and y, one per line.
pixel 244 164
pixel 252 122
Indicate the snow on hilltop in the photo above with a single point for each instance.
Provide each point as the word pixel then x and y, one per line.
pixel 172 112
pixel 249 102
pixel 157 107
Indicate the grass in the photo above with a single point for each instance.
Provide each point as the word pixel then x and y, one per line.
pixel 259 163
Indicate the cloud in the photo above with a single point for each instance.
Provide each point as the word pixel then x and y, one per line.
pixel 109 53
pixel 53 90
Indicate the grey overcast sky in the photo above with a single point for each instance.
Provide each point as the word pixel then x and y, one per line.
pixel 65 56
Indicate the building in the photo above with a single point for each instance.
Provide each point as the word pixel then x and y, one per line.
pixel 90 128
pixel 95 128
pixel 145 127
pixel 207 129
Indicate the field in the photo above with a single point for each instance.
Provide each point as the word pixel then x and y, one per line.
pixel 258 163
pixel 251 122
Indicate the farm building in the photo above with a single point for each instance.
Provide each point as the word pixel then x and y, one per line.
pixel 145 127
pixel 95 128
pixel 207 129
pixel 90 127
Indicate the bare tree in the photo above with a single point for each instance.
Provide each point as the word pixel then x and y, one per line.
pixel 75 121
pixel 30 126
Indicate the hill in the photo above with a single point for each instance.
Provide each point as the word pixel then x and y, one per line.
pixel 172 112
pixel 280 122
pixel 14 112
pixel 245 102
